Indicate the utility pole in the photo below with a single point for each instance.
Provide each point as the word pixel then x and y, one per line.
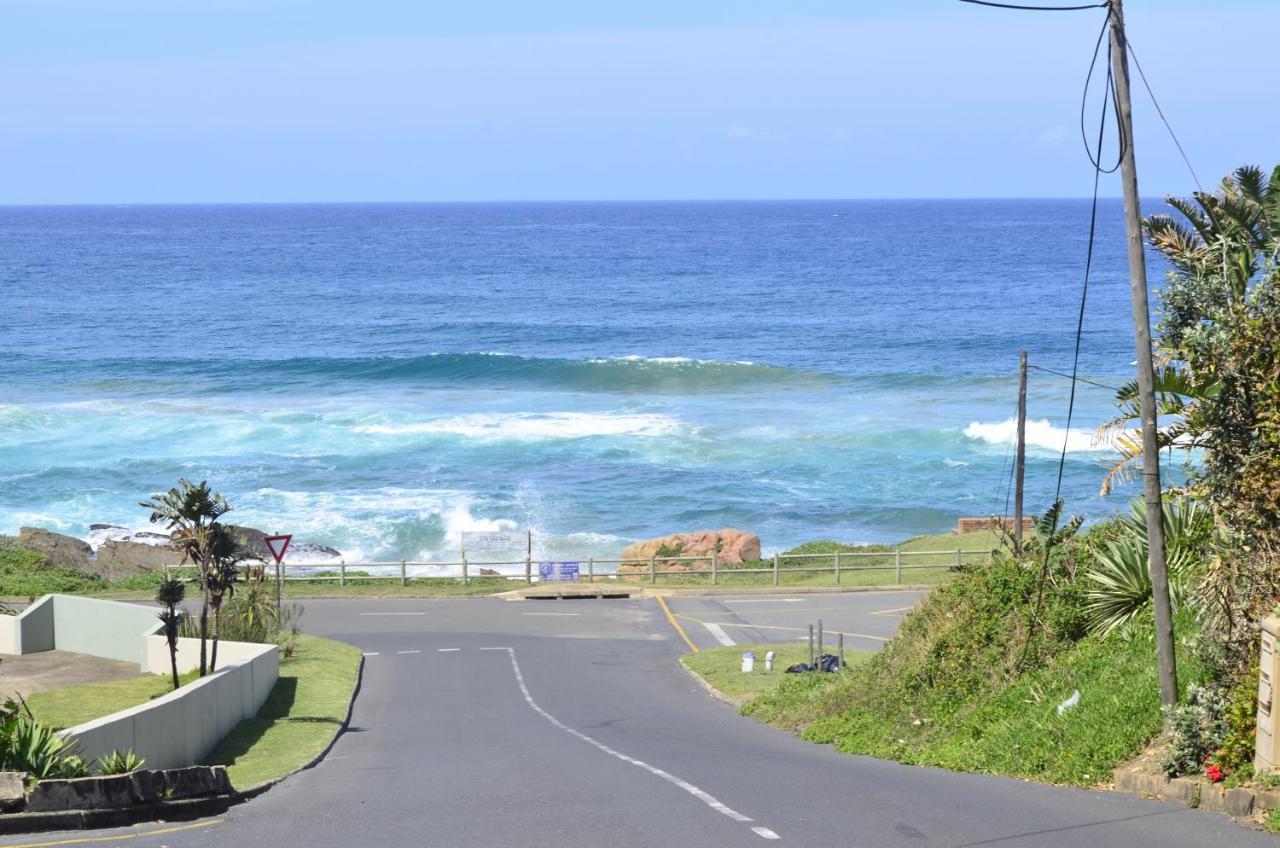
pixel 1146 370
pixel 1021 461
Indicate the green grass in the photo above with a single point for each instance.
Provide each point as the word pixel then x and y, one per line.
pixel 722 667
pixel 301 716
pixel 950 689
pixel 73 705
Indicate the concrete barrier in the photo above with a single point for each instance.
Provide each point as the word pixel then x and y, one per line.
pixel 182 727
pixel 175 730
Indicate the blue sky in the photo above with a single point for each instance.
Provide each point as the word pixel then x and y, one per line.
pixel 119 101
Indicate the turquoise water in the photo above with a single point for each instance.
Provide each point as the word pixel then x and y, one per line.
pixel 378 378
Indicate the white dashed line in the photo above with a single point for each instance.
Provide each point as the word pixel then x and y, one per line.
pixel 710 800
pixel 496 649
pixel 408 652
pixel 891 611
pixel 447 650
pixel 393 613
pixel 371 654
pixel 551 613
pixel 718 632
pixel 769 601
pixel 765 832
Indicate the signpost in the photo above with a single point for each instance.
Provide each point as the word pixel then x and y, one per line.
pixel 277 545
pixel 497 542
pixel 558 572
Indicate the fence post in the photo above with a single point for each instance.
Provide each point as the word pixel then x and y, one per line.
pixel 713 568
pixel 591 569
pixel 653 569
pixel 342 572
pixel 837 568
pixel 819 637
pixel 402 582
pixel 959 558
pixel 528 570
pixel 464 570
pixel 775 569
pixel 897 566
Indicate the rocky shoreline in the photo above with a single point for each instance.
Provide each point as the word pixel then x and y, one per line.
pixel 113 552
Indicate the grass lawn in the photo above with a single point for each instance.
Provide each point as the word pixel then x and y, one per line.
pixel 301 716
pixel 74 705
pixel 722 667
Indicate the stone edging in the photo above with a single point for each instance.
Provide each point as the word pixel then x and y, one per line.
pixel 184 810
pixel 1241 802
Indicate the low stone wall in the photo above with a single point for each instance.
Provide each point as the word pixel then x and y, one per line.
pixel 182 727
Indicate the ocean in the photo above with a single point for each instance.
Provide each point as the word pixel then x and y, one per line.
pixel 378 378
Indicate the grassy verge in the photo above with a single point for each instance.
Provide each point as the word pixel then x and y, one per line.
pixel 73 705
pixel 300 718
pixel 974 678
pixel 722 667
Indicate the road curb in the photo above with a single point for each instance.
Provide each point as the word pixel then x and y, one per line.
pixel 167 811
pixel 711 690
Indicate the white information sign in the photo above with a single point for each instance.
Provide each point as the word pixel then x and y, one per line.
pixel 489 541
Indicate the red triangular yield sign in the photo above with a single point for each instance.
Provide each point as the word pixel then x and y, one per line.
pixel 277 545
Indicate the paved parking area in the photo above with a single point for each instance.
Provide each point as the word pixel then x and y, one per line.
pixel 38 672
pixel 867 619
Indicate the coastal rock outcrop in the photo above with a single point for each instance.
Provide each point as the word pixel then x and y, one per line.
pixel 120 558
pixel 731 547
pixel 63 551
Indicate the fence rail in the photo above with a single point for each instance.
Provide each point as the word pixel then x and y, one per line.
pixel 839 564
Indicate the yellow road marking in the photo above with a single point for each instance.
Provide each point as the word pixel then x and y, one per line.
pixel 119 838
pixel 776 627
pixel 671 618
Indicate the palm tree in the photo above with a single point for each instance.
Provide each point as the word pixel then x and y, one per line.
pixel 170 596
pixel 190 511
pixel 226 555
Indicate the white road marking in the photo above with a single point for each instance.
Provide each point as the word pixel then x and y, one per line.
pixel 393 613
pixel 720 636
pixel 710 800
pixel 447 650
pixel 371 654
pixel 710 624
pixel 496 649
pixel 765 832
pixel 769 601
pixel 408 652
pixel 551 613
pixel 891 611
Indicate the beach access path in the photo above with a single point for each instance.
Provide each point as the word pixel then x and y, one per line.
pixel 539 724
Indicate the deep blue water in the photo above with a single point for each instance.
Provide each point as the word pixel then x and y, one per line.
pixel 379 377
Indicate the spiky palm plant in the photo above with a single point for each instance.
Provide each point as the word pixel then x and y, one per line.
pixel 170 595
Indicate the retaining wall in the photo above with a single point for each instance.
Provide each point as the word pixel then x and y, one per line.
pixel 106 629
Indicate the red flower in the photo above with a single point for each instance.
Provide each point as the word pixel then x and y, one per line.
pixel 1214 773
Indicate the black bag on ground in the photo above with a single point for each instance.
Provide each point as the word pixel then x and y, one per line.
pixel 828 662
pixel 798 668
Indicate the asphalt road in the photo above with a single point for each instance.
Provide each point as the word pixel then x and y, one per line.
pixel 546 724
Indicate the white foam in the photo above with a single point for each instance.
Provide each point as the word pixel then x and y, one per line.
pixel 530 426
pixel 1040 433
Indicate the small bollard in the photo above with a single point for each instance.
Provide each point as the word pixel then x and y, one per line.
pixel 768 661
pixel 748 661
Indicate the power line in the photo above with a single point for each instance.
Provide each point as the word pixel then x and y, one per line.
pixel 1129 46
pixel 1077 379
pixel 1037 8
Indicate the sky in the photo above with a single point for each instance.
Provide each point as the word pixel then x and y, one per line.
pixel 197 101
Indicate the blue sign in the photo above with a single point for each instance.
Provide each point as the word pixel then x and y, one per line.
pixel 558 572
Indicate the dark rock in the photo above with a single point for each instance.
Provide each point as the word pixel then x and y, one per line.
pixel 195 782
pixel 63 551
pixel 118 558
pixel 13 789
pixel 489 572
pixel 89 793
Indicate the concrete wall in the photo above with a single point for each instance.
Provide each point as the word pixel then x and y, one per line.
pixel 107 629
pixel 29 632
pixel 181 728
pixel 175 730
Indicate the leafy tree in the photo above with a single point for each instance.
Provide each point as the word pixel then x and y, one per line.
pixel 170 596
pixel 226 558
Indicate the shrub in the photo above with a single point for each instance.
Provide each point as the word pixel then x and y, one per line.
pixel 119 762
pixel 1197 728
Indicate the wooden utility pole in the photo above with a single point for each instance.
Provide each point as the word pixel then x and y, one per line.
pixel 1021 461
pixel 1146 369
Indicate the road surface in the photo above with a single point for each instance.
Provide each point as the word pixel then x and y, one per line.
pixel 546 724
